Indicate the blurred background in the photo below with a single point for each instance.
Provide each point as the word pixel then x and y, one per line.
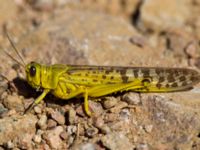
pixel 138 32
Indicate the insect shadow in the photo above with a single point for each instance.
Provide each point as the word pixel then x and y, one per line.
pixel 25 90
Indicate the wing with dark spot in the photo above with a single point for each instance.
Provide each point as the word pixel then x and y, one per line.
pixel 159 79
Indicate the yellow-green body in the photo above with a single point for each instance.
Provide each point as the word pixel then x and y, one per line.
pixel 68 81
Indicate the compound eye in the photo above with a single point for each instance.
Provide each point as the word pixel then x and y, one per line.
pixel 32 71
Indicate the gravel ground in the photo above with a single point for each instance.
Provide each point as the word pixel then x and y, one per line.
pixel 99 32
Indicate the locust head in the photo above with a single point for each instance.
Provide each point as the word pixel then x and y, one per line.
pixel 33 72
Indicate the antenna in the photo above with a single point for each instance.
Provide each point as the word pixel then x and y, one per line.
pixel 15 49
pixel 13 58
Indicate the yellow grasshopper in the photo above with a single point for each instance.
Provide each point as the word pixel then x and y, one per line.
pixel 69 81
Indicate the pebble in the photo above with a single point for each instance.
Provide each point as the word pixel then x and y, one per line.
pixel 44 5
pixel 64 135
pixel 37 138
pixel 71 116
pixel 80 111
pixel 40 132
pixel 52 137
pixel 28 102
pixel 71 129
pixel 49 110
pixel 98 122
pixel 58 117
pixel 111 117
pixel 42 122
pixel 37 109
pixel 117 141
pixel 109 102
pixel 46 147
pixel 148 128
pixel 139 41
pixel 70 140
pixel 51 123
pixel 125 115
pixel 142 147
pixel 118 107
pixel 87 146
pixel 17 128
pixel 10 145
pixel 105 129
pixel 91 132
pixel 192 50
pixel 25 142
pixel 131 98
pixel 14 102
pixel 12 112
pixel 95 108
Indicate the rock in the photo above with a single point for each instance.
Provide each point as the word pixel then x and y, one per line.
pixel 37 109
pixel 9 113
pixel 71 129
pixel 139 41
pixel 117 141
pixel 87 146
pixel 80 112
pixel 44 5
pixel 95 108
pixel 91 132
pixel 110 102
pixel 64 135
pixel 182 43
pixel 131 98
pixel 42 122
pixel 98 122
pixel 125 115
pixel 142 147
pixel 14 102
pixel 37 138
pixel 71 116
pixel 159 15
pixel 25 142
pixel 168 115
pixel 118 107
pixel 47 147
pixel 111 117
pixel 105 129
pixel 52 137
pixel 58 117
pixel 17 128
pixel 192 49
pixel 51 123
pixel 10 145
pixel 148 128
